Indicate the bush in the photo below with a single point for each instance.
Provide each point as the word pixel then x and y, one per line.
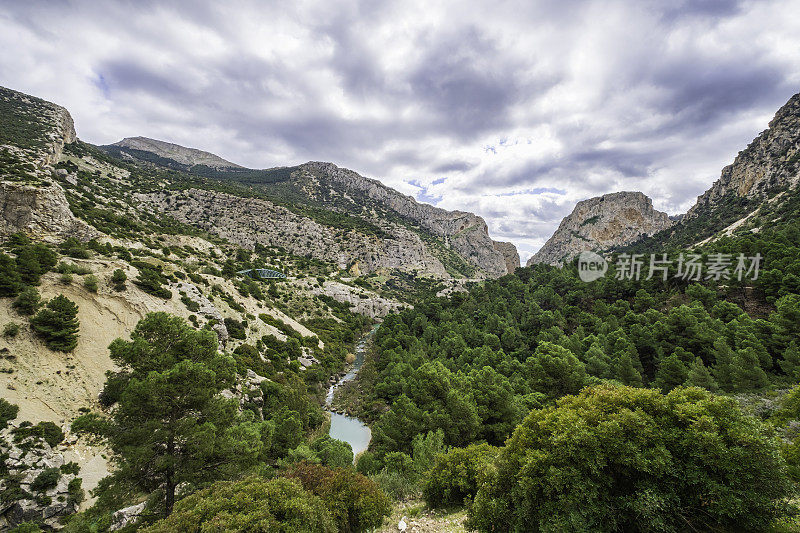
pixel 118 279
pixel 28 301
pixel 10 280
pixel 625 459
pixel 11 329
pixel 90 282
pixel 235 329
pixel 58 324
pixel 455 475
pixel 355 502
pixel 72 247
pixel 252 504
pixel 332 452
pixel 8 412
pixel 46 480
pixel 151 280
pixel 47 431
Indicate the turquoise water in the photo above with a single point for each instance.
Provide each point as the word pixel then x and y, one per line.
pixel 349 429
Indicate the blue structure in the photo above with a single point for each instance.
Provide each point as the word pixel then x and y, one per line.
pixel 262 273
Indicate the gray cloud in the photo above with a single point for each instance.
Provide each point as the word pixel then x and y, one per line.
pixel 514 110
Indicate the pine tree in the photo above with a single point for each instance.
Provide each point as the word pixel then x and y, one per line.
pixel 170 425
pixel 723 365
pixel 791 361
pixel 10 280
pixel 626 371
pixel 58 324
pixel 747 374
pixel 699 376
pixel 671 373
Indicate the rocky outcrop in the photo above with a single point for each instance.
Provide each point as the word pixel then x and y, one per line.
pixel 27 462
pixel 361 301
pixel 772 159
pixel 601 223
pixel 127 516
pixel 247 221
pixel 41 212
pixel 510 255
pixel 464 232
pixel 175 152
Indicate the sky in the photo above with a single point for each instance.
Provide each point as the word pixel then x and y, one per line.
pixel 512 110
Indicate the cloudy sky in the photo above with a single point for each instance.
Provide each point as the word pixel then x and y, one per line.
pixel 513 110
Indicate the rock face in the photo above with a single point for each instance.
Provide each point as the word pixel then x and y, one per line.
pixel 361 301
pixel 25 461
pixel 510 255
pixel 600 223
pixel 247 221
pixel 41 212
pixel 175 152
pixel 465 233
pixel 772 159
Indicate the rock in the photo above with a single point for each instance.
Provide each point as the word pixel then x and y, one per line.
pixel 361 301
pixel 41 212
pixel 179 154
pixel 601 223
pixel 773 158
pixel 127 516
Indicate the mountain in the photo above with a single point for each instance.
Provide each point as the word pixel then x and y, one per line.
pixel 179 154
pixel 601 223
pixel 331 213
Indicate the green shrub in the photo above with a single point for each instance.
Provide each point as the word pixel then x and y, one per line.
pixel 46 480
pixel 8 412
pixel 455 475
pixel 47 431
pixel 118 279
pixel 28 301
pixel 355 502
pixel 58 324
pixel 90 282
pixel 252 504
pixel 11 329
pixel 625 459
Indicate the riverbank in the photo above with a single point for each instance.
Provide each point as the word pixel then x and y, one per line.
pixel 351 397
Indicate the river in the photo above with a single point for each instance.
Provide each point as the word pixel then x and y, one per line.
pixel 347 428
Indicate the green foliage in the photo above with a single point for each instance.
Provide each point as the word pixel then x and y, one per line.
pixel 33 260
pixel 170 425
pixel 332 452
pixel 555 371
pixel 252 504
pixel 118 279
pixel 8 412
pixel 235 328
pixel 455 475
pixel 28 301
pixel 72 247
pixel 57 324
pixel 10 278
pixel 47 431
pixel 624 459
pixel 90 282
pixel 11 329
pixel 151 280
pixel 46 480
pixel 355 502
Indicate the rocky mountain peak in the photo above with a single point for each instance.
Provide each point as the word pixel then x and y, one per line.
pixel 175 152
pixel 772 159
pixel 601 223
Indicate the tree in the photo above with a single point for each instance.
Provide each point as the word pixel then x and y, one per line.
pixel 456 474
pixel 355 502
pixel 333 452
pixel 747 374
pixel 790 363
pixel 699 376
pixel 252 504
pixel 10 279
pixel 118 279
pixel 626 371
pixel 627 459
pixel 554 370
pixel 58 324
pixel 8 412
pixel 28 301
pixel 90 282
pixel 34 260
pixel 170 424
pixel 671 373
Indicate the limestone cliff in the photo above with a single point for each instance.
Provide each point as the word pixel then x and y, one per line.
pixel 772 159
pixel 601 223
